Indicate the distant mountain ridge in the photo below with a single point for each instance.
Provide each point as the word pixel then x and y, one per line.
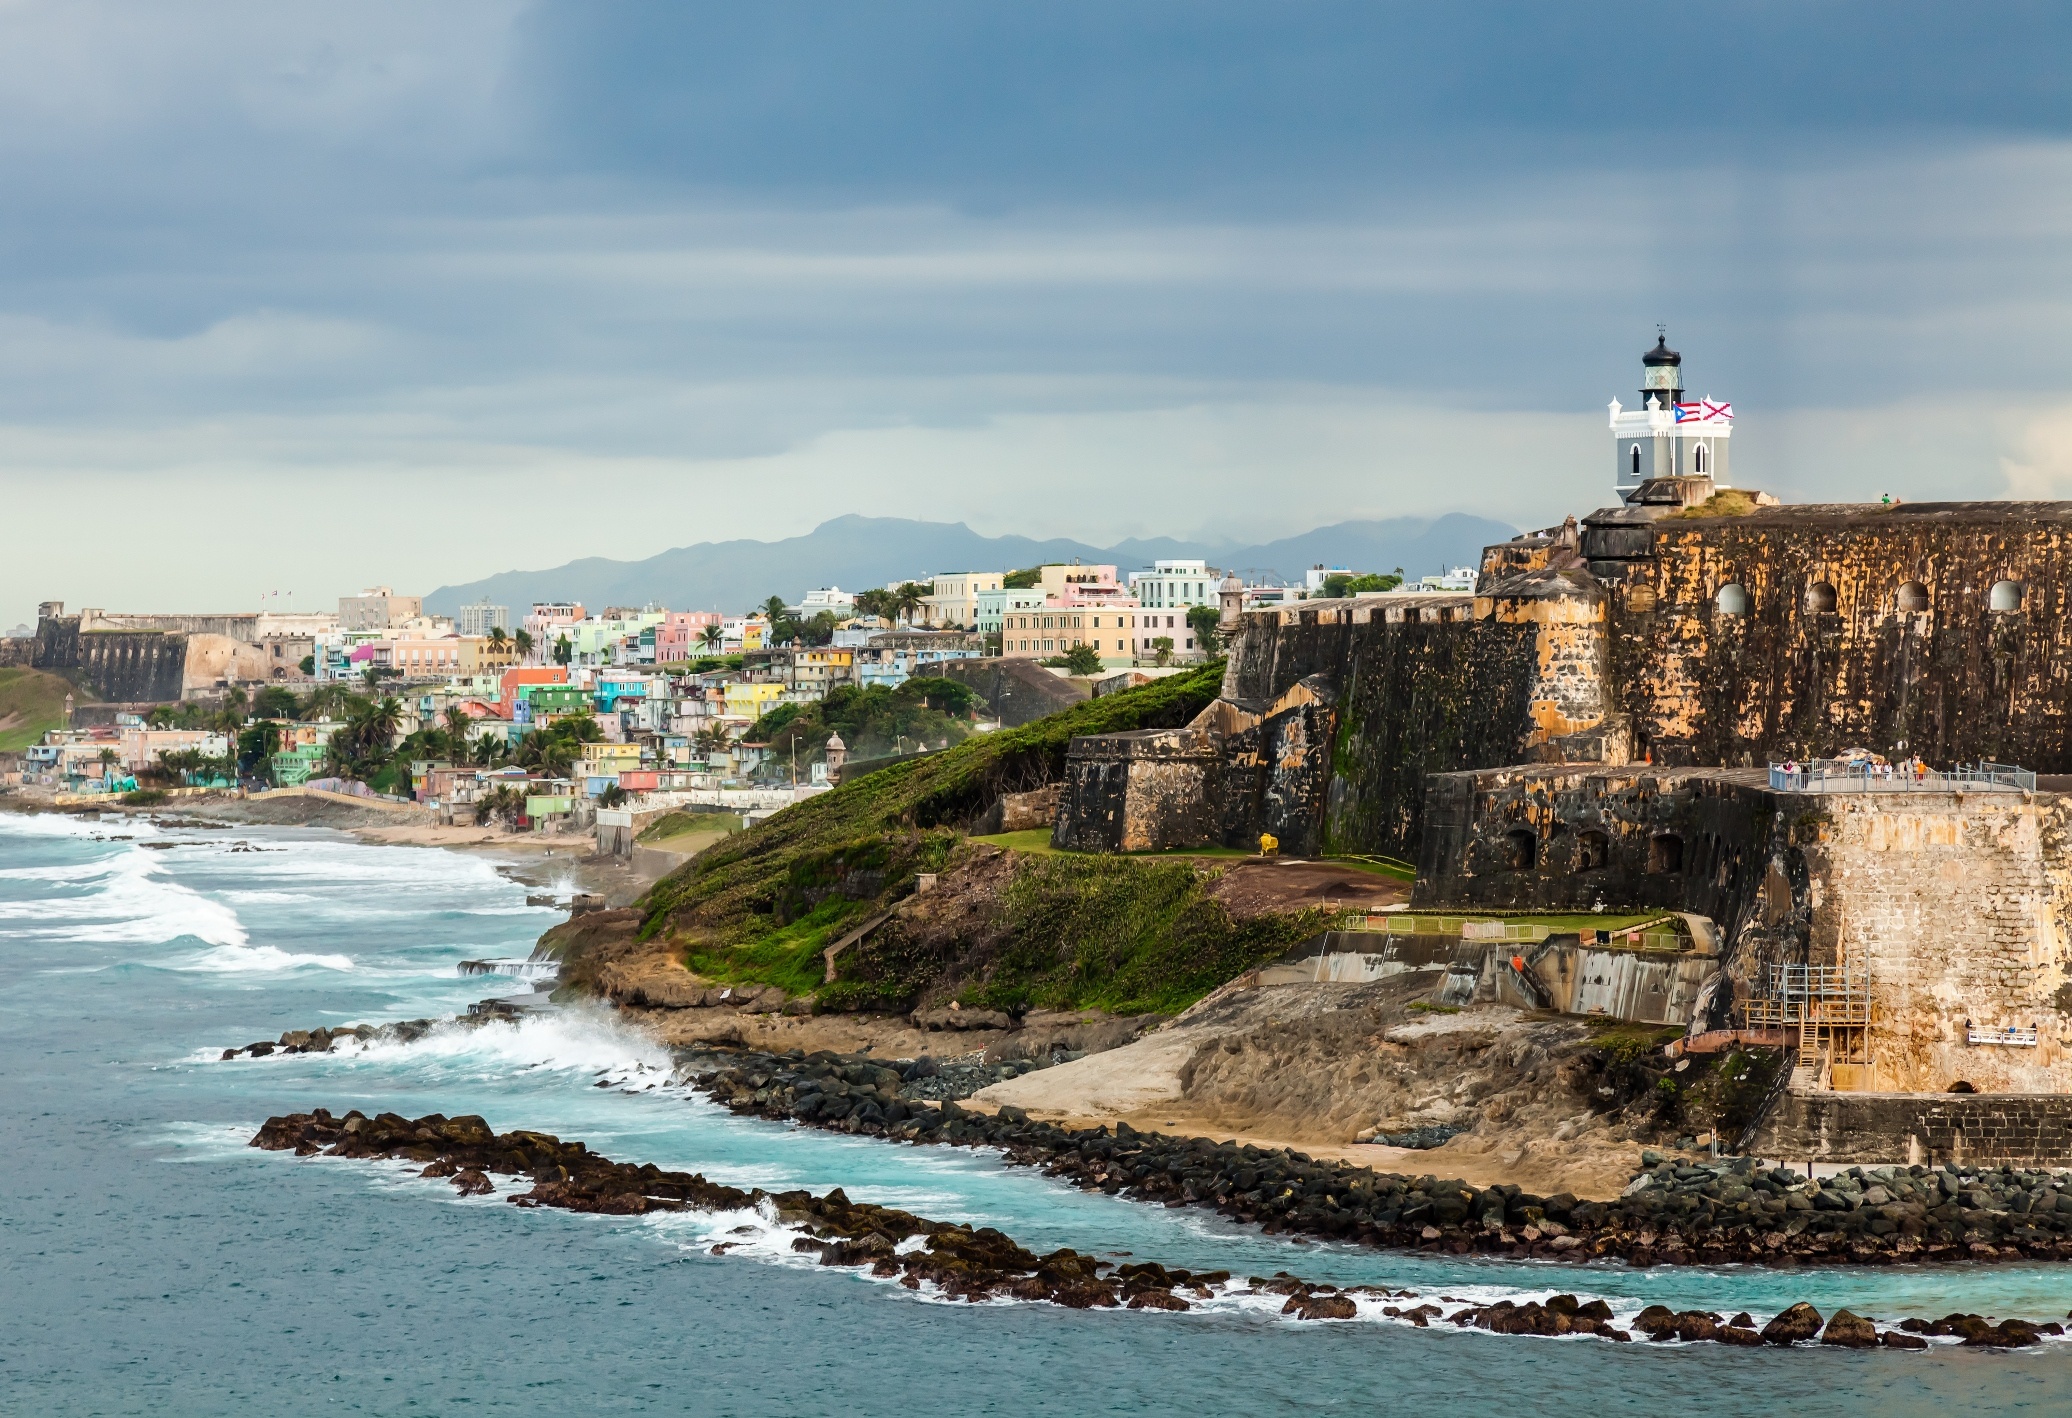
pixel 856 552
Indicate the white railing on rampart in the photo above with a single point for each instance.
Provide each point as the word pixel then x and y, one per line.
pixel 1859 776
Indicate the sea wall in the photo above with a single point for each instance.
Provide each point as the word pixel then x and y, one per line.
pixel 1950 1130
pixel 136 666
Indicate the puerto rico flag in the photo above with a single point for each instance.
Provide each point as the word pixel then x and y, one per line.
pixel 1704 411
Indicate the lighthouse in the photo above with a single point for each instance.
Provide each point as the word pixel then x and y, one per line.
pixel 1668 435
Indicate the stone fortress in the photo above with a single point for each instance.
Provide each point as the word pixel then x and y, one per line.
pixel 1594 728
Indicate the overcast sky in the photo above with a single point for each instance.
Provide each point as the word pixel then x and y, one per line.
pixel 297 298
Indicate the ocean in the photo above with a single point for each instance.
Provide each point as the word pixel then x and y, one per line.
pixel 151 1262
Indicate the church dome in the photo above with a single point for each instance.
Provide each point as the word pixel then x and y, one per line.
pixel 1661 354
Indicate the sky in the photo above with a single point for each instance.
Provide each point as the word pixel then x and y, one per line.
pixel 297 299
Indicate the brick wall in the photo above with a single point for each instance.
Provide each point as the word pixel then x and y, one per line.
pixel 1950 1129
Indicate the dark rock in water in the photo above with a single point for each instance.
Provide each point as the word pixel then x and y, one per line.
pixel 1157 1300
pixel 1893 1339
pixel 1850 1331
pixel 259 1050
pixel 1738 1334
pixel 1800 1322
pixel 471 1182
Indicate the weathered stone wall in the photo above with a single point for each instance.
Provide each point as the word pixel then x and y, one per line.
pixel 1016 691
pixel 1577 837
pixel 1954 680
pixel 1960 905
pixel 1141 791
pixel 1947 1130
pixel 141 666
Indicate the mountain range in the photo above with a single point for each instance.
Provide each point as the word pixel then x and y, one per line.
pixel 856 553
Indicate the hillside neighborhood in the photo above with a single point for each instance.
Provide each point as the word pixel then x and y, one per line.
pixel 536 717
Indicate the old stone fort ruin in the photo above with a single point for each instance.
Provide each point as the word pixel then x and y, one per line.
pixel 1605 724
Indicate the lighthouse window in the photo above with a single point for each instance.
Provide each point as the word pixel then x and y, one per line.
pixel 1698 458
pixel 1732 599
pixel 2005 596
pixel 1636 462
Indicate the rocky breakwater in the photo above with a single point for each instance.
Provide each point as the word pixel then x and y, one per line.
pixel 1674 1211
pixel 966 1263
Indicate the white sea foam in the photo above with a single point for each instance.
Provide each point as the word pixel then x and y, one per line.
pixel 570 1040
pixel 239 959
pixel 135 903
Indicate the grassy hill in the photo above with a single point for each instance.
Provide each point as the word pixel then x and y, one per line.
pixel 32 702
pixel 1123 933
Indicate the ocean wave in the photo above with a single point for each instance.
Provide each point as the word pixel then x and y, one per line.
pixel 238 958
pixel 567 1040
pixel 135 903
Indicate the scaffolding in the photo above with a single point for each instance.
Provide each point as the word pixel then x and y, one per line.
pixel 1827 1006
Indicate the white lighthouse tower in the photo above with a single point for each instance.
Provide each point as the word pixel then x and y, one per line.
pixel 1669 436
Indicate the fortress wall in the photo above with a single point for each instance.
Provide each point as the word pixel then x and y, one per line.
pixel 1960 903
pixel 1958 681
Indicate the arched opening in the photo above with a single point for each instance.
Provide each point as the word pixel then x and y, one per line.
pixel 1665 854
pixel 1732 599
pixel 1593 849
pixel 1962 1086
pixel 1636 462
pixel 1913 598
pixel 1820 596
pixel 1698 460
pixel 2005 596
pixel 1521 849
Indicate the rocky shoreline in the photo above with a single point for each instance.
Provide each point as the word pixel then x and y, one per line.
pixel 963 1263
pixel 1675 1212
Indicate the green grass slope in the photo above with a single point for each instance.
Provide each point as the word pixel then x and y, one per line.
pixel 32 702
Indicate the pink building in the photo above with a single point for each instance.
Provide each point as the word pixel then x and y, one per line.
pixel 682 635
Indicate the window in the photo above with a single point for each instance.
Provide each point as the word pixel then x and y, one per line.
pixel 1521 849
pixel 1593 850
pixel 1732 599
pixel 1820 596
pixel 1636 462
pixel 1665 854
pixel 2005 596
pixel 1698 459
pixel 1912 598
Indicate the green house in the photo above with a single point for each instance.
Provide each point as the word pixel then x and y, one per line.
pixel 296 766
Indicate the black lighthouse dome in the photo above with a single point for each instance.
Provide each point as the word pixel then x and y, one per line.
pixel 1661 380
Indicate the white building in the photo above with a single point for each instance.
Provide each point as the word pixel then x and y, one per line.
pixel 952 599
pixel 482 617
pixel 1669 436
pixel 1175 585
pixel 1313 579
pixel 827 598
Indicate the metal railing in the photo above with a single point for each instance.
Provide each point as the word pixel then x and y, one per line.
pixel 1863 776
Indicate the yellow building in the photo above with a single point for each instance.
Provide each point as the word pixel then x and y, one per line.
pixel 953 599
pixel 481 655
pixel 753 700
pixel 1039 634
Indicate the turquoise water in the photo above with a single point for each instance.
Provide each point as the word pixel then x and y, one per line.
pixel 150 1262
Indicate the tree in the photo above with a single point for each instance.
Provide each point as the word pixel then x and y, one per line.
pixel 712 637
pixel 308 665
pixel 1163 645
pixel 879 604
pixel 1206 622
pixel 1341 583
pixel 502 801
pixel 457 722
pixel 1028 578
pixel 612 796
pixel 1081 659
pixel 275 702
pixel 523 640
pixel 774 609
pixel 497 636
pixel 909 598
pixel 257 745
pixel 563 651
pixel 370 677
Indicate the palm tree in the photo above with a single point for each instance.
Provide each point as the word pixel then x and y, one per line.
pixel 774 608
pixel 523 640
pixel 564 651
pixel 497 636
pixel 908 599
pixel 457 722
pixel 713 637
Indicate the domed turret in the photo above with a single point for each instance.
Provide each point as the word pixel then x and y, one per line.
pixel 1662 374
